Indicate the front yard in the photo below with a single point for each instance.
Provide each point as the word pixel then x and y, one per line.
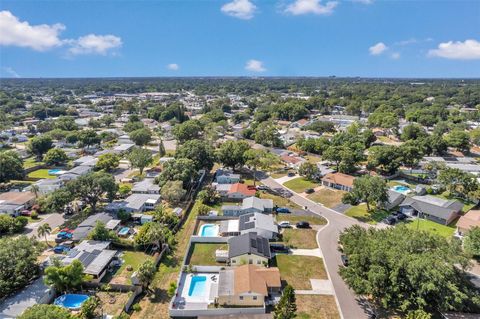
pixel 431 227
pixel 313 220
pixel 299 184
pixel 300 238
pixel 278 200
pixel 327 197
pixel 203 254
pixel 360 212
pixel 316 307
pixel 298 270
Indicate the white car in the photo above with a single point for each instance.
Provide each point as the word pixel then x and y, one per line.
pixel 284 224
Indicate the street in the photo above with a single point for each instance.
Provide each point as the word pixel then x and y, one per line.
pixel 351 307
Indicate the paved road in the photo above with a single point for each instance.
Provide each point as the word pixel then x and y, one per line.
pixel 350 305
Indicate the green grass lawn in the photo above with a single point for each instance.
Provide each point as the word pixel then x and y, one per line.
pixel 298 270
pixel 31 162
pixel 313 220
pixel 300 238
pixel 40 173
pixel 299 184
pixel 431 227
pixel 204 254
pixel 130 258
pixel 360 212
pixel 328 197
pixel 279 200
pixel 316 307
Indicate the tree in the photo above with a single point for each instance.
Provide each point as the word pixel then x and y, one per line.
pixel 387 158
pixel 151 233
pixel 44 230
pixel 140 158
pixel 100 232
pixel 309 170
pixel 39 145
pixel 173 191
pixel 411 154
pixel 161 148
pixel 12 225
pixel 232 153
pixel 108 120
pixel 46 311
pixel 333 154
pixel 55 202
pixel 459 140
pixel 412 132
pixel 457 182
pixel 259 159
pixel 35 190
pixel 141 136
pixel 89 188
pixel 199 152
pixel 165 217
pixel 209 196
pixel 55 156
pixel 471 242
pixel 475 136
pixel 64 278
pixel 88 138
pixel 18 257
pixel 408 270
pixel 266 133
pixel 286 307
pixel 146 272
pixel 181 169
pixel 11 166
pixel 89 307
pixel 187 130
pixel 107 162
pixel 369 189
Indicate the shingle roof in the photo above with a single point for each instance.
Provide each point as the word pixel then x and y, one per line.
pixel 248 243
pixel 340 179
pixel 251 278
pixel 434 206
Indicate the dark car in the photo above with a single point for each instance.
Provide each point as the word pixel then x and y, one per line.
pixel 291 174
pixel 303 224
pixel 309 191
pixel 279 248
pixel 401 216
pixel 60 249
pixel 344 259
pixel 282 210
pixel 263 188
pixel 390 220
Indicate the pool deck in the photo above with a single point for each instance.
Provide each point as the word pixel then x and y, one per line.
pixel 184 301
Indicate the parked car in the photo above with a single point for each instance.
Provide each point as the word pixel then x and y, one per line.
pixel 309 191
pixel 344 259
pixel 303 224
pixel 60 249
pixel 279 248
pixel 26 212
pixel 284 224
pixel 263 188
pixel 401 216
pixel 390 220
pixel 291 174
pixel 282 210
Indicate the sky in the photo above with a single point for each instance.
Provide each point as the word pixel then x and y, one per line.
pixel 366 38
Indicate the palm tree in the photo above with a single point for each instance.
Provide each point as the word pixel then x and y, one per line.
pixel 35 190
pixel 44 230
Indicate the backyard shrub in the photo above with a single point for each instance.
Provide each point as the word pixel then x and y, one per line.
pixel 34 215
pixel 136 307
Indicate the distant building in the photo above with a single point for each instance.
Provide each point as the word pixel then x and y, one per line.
pixel 135 203
pixel 339 181
pixel 249 205
pixel 467 222
pixel 147 186
pixel 13 203
pixel 226 177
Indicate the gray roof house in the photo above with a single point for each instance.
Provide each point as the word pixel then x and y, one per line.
pixel 244 246
pixel 436 209
pixel 76 172
pixel 394 199
pixel 85 161
pixel 147 186
pixel 85 227
pixel 249 205
pixel 94 255
pixel 47 185
pixel 226 177
pixel 135 203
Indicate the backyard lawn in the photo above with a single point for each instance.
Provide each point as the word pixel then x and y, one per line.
pixel 316 307
pixel 328 197
pixel 299 184
pixel 279 200
pixel 313 220
pixel 360 212
pixel 112 303
pixel 40 173
pixel 300 238
pixel 298 270
pixel 204 254
pixel 31 162
pixel 432 227
pixel 130 258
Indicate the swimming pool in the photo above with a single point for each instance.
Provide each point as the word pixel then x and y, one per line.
pixel 209 230
pixel 71 301
pixel 123 231
pixel 401 189
pixel 198 286
pixel 54 171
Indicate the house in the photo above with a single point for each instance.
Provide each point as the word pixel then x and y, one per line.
pixel 247 286
pixel 135 203
pixel 240 191
pixel 88 160
pixel 292 161
pixel 94 255
pixel 226 177
pixel 113 224
pixel 394 199
pixel 262 224
pixel 249 205
pixel 147 186
pixel 76 172
pixel 339 181
pixel 13 203
pixel 84 228
pixel 468 221
pixel 324 170
pixel 47 185
pixel 248 248
pixel 123 148
pixel 436 209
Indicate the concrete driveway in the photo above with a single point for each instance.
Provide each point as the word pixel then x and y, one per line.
pixel 351 306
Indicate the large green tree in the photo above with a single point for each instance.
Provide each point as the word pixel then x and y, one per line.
pixel 107 162
pixel 457 182
pixel 140 158
pixel 188 130
pixel 471 242
pixel 386 158
pixel 232 153
pixel 369 189
pixel 262 159
pixel 173 191
pixel 286 307
pixel 39 145
pixel 201 154
pixel 64 278
pixel 11 166
pixel 55 156
pixel 46 311
pixel 141 136
pixel 182 169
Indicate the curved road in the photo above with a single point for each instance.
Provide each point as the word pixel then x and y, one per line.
pixel 351 306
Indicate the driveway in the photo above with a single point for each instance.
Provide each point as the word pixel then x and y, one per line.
pixel 351 306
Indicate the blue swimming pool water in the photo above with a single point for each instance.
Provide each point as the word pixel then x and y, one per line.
pixel 208 230
pixel 124 231
pixel 401 188
pixel 53 171
pixel 71 301
pixel 198 286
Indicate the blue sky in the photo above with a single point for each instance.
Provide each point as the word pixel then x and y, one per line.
pixel 371 38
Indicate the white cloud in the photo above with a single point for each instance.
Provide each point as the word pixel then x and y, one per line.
pixel 255 66
pixel 94 44
pixel 363 1
pixel 311 6
pixel 14 32
pixel 10 72
pixel 467 50
pixel 378 48
pixel 242 9
pixel 173 66
pixel 395 55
